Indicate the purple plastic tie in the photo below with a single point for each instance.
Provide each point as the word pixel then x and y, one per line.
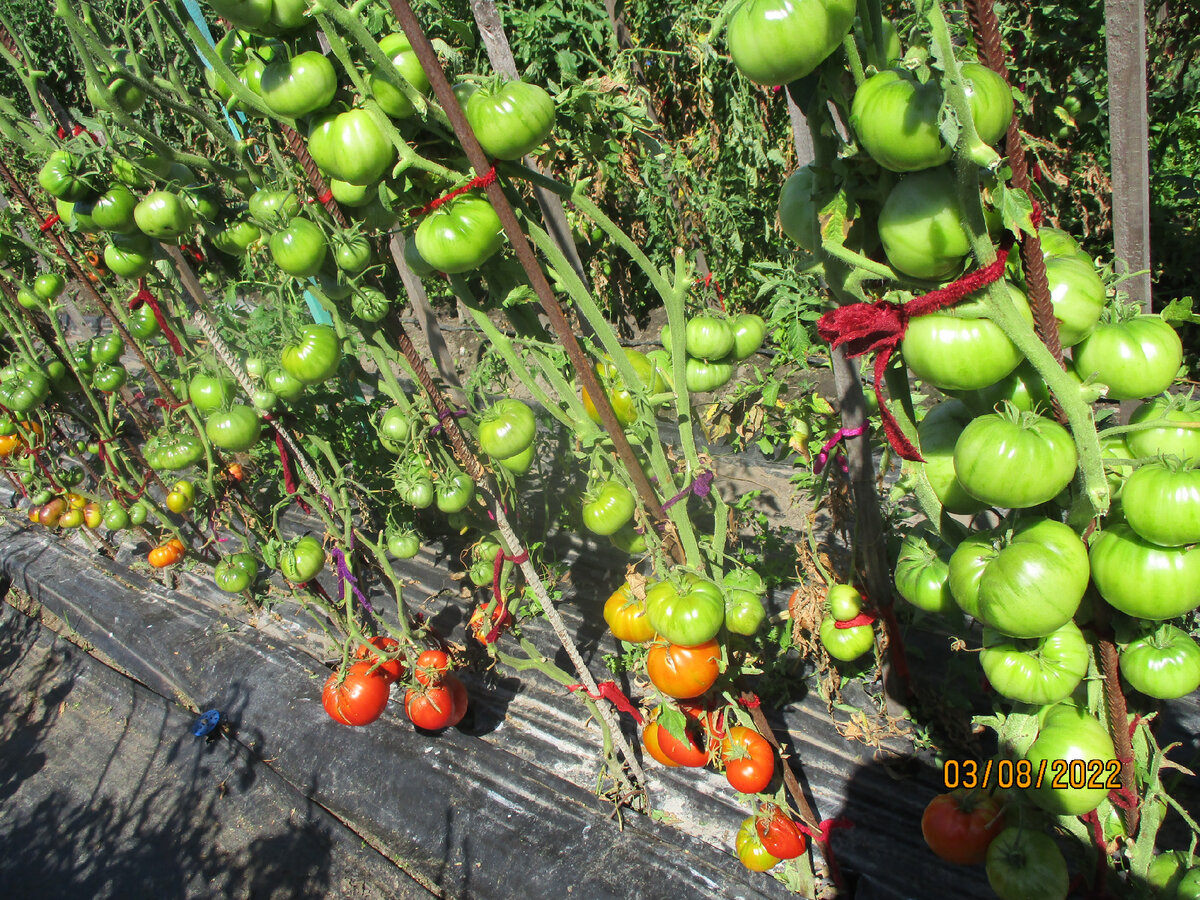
pixel 701 487
pixel 345 576
pixel 831 444
pixel 444 415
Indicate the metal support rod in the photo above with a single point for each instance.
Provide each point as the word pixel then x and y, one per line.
pixel 512 228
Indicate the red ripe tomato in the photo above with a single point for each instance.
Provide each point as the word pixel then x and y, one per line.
pixel 391 670
pixel 780 835
pixel 689 752
pixel 650 741
pixel 357 699
pixel 439 706
pixel 684 672
pixel 960 825
pixel 749 760
pixel 432 666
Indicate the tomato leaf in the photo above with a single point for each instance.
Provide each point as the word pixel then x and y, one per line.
pixel 674 722
pixel 1016 209
pixel 1180 312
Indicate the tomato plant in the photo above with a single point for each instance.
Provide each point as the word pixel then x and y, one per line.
pixel 1135 357
pixel 237 428
pixel 350 147
pixel 311 360
pixel 607 507
pixel 296 86
pixel 689 618
pixel 896 119
pixel 163 215
pixel 920 226
pixel 391 100
pixel 300 248
pixel 846 644
pixel 506 428
pixel 1078 754
pixel 1161 503
pixel 302 559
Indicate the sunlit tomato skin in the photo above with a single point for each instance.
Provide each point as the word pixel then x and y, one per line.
pixel 299 85
pixel 684 672
pixel 1014 461
pixel 896 119
pixel 749 760
pixel 359 698
pixel 163 215
pixel 1161 503
pixel 650 741
pixel 688 752
pixel 436 707
pixel 960 349
pixel 777 41
pixel 991 101
pixel 1142 579
pixel 607 508
pixel 753 855
pixel 1035 670
pixel 1136 358
pixel 690 618
pixel 708 337
pixel 313 359
pixel 391 99
pixel 237 428
pixel 1071 734
pixel 510 119
pixel 780 835
pixel 1177 436
pixel 1025 582
pixel 351 147
pixel 300 248
pixel 507 428
pixel 626 616
pixel 920 226
pixel 460 235
pixel 1164 664
pixel 959 826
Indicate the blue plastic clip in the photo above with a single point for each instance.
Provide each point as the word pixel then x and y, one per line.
pixel 206 723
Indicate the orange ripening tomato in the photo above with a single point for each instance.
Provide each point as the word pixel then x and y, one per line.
pixel 166 554
pixel 10 443
pixel 650 742
pixel 961 825
pixel 684 672
pixel 235 471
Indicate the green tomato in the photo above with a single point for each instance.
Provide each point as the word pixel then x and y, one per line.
pixel 143 324
pixel 403 543
pixel 416 490
pixel 777 41
pixel 748 333
pixel 115 517
pixel 846 644
pixel 991 101
pixel 352 252
pixel 251 15
pixel 300 85
pixel 455 492
pixel 22 388
pixel 129 255
pixel 49 286
pixel 1014 461
pixel 619 396
pixel 708 337
pixel 273 209
pixel 283 385
pixel 920 226
pixel 1164 664
pixel 703 375
pixel 1022 863
pixel 236 573
pixel 237 237
pixel 1189 885
pixel 107 349
pixel 460 235
pixel 1077 294
pixel 510 119
pixel 113 210
pixel 938 433
pixel 745 580
pixel 302 559
pixel 744 612
pixel 843 602
pixel 608 508
pixel 60 177
pixel 138 512
pixel 1078 754
pixel 29 300
pixel 1142 579
pixel 300 248
pixel 798 210
pixel 395 426
pixel 173 451
pixel 896 119
pixel 237 428
pixel 1161 503
pixel 519 463
pixel 1181 441
pixel 313 359
pixel 391 99
pixel 1035 670
pixel 264 401
pixel 1025 582
pixel 354 195
pixel 211 392
pixel 627 540
pixel 923 577
pixel 1136 358
pixel 163 215
pixel 507 428
pixel 369 304
pixel 350 147
pixel 688 619
pixel 109 377
pixel 961 349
